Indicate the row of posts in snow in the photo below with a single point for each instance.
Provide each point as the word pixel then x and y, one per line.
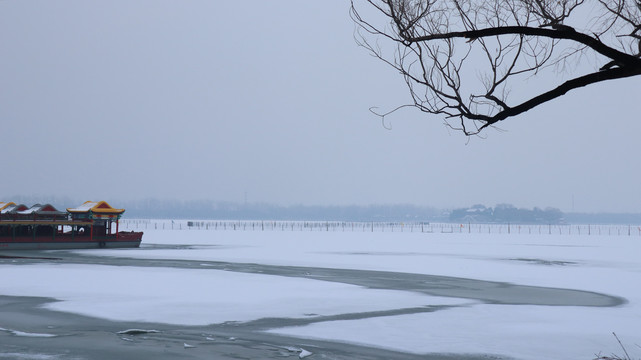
pixel 422 227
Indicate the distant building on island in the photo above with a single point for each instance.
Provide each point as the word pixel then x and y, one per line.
pixel 506 213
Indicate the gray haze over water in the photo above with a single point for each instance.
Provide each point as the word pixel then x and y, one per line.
pixel 268 102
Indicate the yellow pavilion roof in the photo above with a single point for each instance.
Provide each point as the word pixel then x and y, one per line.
pixel 5 204
pixel 98 207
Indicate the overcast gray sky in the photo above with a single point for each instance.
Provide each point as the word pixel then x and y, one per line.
pixel 269 100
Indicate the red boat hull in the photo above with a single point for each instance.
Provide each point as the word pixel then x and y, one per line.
pixel 67 241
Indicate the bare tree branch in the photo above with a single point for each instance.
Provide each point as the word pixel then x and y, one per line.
pixel 460 58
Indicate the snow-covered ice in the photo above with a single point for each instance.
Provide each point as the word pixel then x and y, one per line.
pixel 195 297
pixel 602 264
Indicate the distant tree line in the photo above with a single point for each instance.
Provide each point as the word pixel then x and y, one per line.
pixel 506 213
pixel 205 209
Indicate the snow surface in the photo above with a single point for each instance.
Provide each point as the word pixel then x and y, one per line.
pixel 602 264
pixel 26 334
pixel 86 206
pixel 194 297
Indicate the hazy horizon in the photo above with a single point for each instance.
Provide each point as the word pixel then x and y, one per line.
pixel 64 201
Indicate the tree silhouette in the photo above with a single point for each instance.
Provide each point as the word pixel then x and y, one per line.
pixel 464 59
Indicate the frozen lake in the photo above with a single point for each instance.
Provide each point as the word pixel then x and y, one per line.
pixel 251 291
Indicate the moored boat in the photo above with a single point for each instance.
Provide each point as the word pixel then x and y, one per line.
pixel 94 224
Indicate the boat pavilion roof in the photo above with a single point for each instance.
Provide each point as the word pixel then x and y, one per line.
pixel 5 204
pixel 98 207
pixel 12 208
pixel 38 209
